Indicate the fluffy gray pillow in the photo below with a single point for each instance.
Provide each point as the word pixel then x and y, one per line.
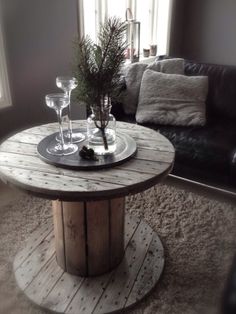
pixel 172 99
pixel 169 66
pixel 133 76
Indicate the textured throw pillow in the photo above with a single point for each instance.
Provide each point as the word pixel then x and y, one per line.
pixel 172 99
pixel 133 76
pixel 169 66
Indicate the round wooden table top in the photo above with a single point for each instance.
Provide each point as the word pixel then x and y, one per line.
pixel 20 166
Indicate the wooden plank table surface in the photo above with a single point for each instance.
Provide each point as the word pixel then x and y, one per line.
pixel 94 259
pixel 20 166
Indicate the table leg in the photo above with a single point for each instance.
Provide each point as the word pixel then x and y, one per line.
pixel 89 236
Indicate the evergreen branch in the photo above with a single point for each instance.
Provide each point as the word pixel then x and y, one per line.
pixel 98 66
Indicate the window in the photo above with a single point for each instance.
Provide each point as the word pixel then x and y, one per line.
pixel 154 16
pixel 5 97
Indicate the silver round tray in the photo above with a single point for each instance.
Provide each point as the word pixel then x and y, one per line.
pixel 125 149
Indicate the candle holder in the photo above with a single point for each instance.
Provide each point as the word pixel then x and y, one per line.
pixel 153 50
pixel 132 37
pixel 146 53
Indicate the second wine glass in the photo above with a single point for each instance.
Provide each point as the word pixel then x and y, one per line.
pixel 67 84
pixel 58 102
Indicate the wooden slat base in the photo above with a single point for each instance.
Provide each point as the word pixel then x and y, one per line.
pixel 89 236
pixel 45 283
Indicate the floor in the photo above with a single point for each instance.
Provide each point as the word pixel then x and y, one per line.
pixel 7 194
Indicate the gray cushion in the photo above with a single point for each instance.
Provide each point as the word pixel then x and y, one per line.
pixel 172 99
pixel 133 76
pixel 169 66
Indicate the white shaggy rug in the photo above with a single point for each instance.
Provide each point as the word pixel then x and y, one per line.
pixel 198 234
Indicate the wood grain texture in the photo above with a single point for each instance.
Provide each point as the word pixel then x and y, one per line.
pixel 75 238
pixel 130 282
pixel 30 267
pixel 89 236
pixel 123 279
pixel 38 239
pixel 62 293
pixel 20 166
pixel 98 237
pixel 44 281
pixel 59 234
pixel 117 207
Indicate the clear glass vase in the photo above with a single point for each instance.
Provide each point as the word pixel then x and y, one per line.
pixel 101 128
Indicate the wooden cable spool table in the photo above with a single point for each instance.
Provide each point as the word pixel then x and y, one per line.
pixel 92 259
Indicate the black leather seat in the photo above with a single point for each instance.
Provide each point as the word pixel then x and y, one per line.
pixel 209 148
pixel 229 297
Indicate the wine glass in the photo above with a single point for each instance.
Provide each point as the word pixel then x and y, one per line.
pixel 67 84
pixel 58 102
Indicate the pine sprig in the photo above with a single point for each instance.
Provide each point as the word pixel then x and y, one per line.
pixel 98 66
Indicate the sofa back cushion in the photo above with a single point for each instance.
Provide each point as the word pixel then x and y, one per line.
pixel 221 99
pixel 133 76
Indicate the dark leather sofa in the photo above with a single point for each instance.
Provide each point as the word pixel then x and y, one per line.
pixel 229 296
pixel 205 154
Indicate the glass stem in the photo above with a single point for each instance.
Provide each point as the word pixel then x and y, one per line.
pixel 59 114
pixel 70 129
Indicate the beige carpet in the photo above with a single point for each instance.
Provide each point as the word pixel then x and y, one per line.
pixel 198 234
